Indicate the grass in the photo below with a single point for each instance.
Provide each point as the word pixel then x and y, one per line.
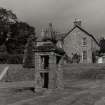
pixel 17 73
pixel 67 97
pixel 84 71
pixel 71 71
pixel 12 95
pixel 88 78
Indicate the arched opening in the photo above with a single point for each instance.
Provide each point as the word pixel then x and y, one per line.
pixel 45 79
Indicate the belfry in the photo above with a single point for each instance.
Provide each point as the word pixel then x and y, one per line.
pixel 48 62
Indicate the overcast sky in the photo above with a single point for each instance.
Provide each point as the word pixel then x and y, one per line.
pixel 61 13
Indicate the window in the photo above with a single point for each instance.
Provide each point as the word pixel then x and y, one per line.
pixel 84 41
pixel 45 61
pixel 84 55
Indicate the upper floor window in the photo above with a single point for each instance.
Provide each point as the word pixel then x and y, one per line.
pixel 84 55
pixel 84 43
pixel 44 62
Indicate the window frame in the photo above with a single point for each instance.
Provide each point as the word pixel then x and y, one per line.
pixel 84 41
pixel 84 55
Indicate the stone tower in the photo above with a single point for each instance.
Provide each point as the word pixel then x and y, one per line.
pixel 48 65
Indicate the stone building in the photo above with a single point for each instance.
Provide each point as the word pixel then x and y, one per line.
pixel 50 49
pixel 48 61
pixel 79 44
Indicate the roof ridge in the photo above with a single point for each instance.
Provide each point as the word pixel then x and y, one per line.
pixel 88 34
pixel 82 29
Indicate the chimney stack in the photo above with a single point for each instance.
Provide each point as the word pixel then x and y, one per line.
pixel 77 22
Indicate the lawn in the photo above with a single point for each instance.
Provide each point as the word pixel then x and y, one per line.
pixel 83 85
pixel 80 93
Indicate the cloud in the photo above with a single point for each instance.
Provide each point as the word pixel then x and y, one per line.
pixel 61 12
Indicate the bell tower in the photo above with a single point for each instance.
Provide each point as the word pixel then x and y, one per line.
pixel 48 65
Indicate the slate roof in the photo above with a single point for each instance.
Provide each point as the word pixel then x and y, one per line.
pixel 64 35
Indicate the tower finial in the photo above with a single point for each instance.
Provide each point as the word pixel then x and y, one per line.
pixel 42 34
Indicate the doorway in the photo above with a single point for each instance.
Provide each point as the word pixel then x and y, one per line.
pixel 45 77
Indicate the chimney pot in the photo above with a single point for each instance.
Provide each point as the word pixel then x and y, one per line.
pixel 77 22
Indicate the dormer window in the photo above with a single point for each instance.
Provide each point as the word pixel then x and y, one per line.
pixel 84 43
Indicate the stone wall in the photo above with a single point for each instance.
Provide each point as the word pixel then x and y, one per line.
pixel 73 43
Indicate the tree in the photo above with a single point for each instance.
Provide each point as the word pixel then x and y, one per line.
pixel 7 17
pixel 29 54
pixel 102 45
pixel 13 33
pixel 20 32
